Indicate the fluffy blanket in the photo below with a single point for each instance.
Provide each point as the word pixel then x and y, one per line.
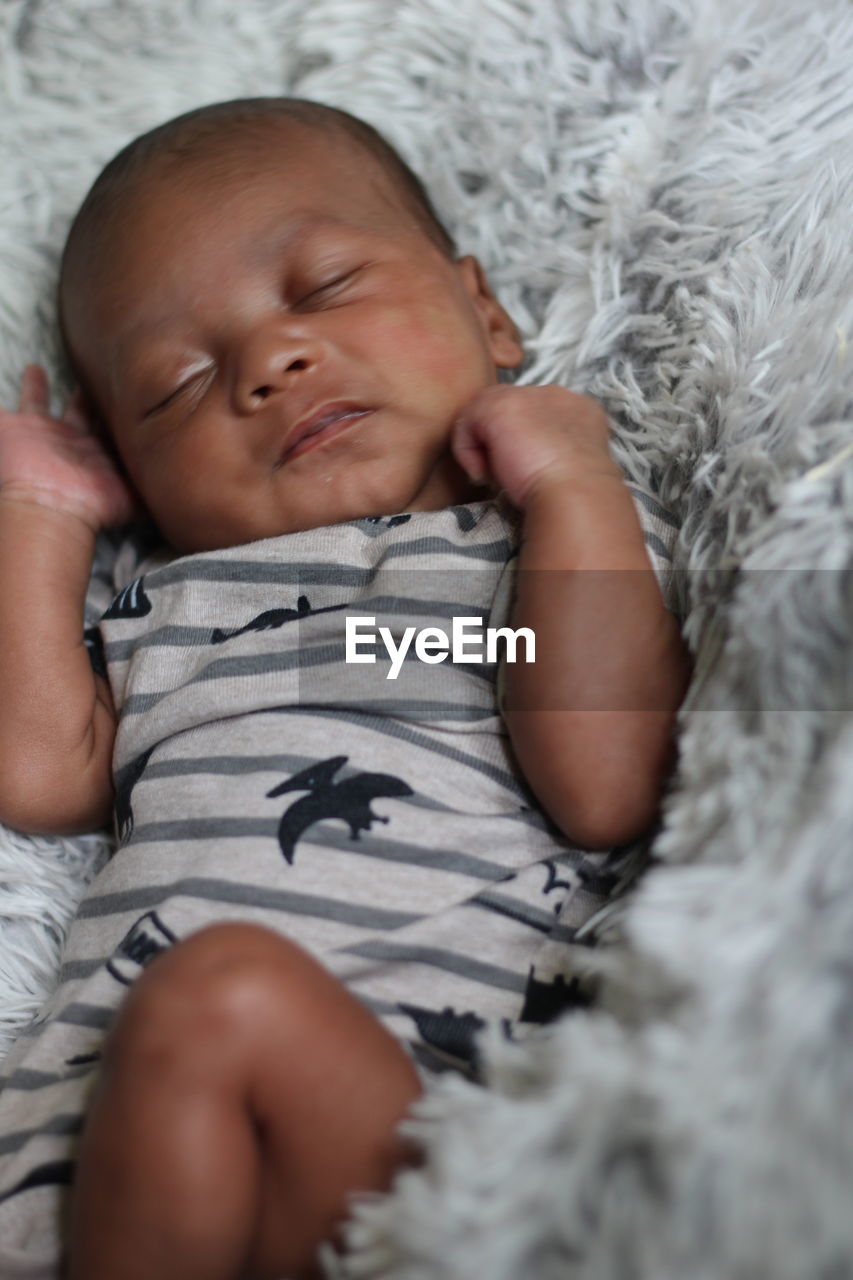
pixel 661 191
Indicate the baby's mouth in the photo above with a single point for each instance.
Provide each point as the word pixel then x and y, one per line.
pixel 321 425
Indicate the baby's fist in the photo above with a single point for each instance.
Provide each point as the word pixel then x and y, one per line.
pixel 521 438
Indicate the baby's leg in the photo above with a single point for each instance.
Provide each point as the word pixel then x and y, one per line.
pixel 245 1092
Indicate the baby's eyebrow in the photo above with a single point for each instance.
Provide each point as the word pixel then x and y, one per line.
pixel 301 229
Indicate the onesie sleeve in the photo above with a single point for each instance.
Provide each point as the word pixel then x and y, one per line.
pixel 660 531
pixel 120 554
pixel 99 593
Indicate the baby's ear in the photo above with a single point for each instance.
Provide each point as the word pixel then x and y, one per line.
pixel 502 335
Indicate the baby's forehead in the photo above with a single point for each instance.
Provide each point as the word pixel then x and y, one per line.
pixel 274 194
pixel 268 157
pixel 251 210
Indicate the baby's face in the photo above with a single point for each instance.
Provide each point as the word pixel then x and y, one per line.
pixel 277 345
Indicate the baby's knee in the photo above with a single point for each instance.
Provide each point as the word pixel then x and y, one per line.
pixel 210 997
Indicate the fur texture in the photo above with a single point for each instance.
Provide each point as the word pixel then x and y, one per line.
pixel 661 193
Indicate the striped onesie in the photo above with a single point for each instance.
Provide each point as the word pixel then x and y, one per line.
pixel 380 823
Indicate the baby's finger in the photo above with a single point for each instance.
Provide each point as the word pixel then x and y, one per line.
pixel 469 452
pixel 35 392
pixel 472 460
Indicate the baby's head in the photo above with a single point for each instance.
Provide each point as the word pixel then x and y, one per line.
pixel 271 324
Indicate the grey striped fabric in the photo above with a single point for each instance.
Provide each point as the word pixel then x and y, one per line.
pixel 380 823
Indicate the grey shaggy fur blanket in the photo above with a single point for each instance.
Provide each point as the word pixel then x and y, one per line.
pixel 661 191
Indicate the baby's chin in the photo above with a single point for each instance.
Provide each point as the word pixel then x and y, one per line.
pixel 446 486
pixel 217 538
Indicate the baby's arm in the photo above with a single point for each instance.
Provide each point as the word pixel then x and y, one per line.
pixel 592 721
pixel 57 488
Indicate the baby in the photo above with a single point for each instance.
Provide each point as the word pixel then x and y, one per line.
pixel 327 880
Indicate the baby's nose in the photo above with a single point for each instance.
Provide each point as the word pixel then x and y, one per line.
pixel 270 362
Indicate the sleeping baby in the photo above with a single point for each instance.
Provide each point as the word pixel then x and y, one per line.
pixel 350 836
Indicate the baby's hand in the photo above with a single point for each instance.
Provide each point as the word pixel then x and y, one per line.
pixel 521 439
pixel 58 462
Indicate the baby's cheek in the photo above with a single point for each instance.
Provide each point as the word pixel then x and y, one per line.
pixel 429 339
pixel 166 480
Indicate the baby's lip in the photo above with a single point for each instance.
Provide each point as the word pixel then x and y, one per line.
pixel 327 415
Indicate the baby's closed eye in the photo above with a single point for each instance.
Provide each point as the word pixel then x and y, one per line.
pixel 188 384
pixel 337 283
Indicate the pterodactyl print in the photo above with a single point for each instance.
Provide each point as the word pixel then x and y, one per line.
pixel 348 800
